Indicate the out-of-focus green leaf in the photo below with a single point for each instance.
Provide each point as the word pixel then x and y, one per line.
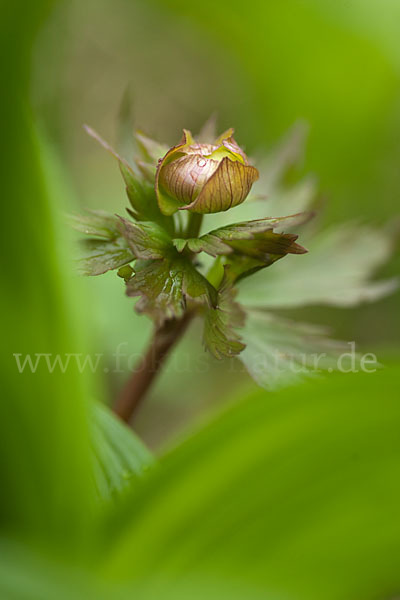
pixel 288 495
pixel 280 351
pixel 276 165
pixel 277 192
pixel 97 223
pixel 120 457
pixel 335 271
pixel 152 150
pixel 138 189
pixel 106 248
pixel 45 464
pixel 208 132
pixel 219 336
pixel 38 575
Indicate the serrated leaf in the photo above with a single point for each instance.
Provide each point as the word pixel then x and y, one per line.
pixel 139 190
pixel 143 199
pixel 100 256
pixel 335 271
pixel 107 250
pixel 164 286
pixel 120 458
pixel 248 246
pixel 281 351
pixel 97 223
pixel 226 240
pixel 146 239
pixel 220 323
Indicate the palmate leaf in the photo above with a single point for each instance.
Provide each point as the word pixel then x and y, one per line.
pixel 336 271
pixel 105 248
pixel 100 256
pixel 220 336
pixel 228 239
pixel 288 495
pixel 280 351
pixel 163 278
pixel 165 285
pixel 146 239
pixel 248 246
pixel 97 223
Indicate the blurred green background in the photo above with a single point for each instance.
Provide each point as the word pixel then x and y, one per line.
pixel 261 66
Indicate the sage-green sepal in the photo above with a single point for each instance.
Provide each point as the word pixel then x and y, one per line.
pixel 139 185
pixel 151 150
pixel 169 205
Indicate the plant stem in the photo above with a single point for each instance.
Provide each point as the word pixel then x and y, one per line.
pixel 194 225
pixel 164 338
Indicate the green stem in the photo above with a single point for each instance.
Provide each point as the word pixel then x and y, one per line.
pixel 194 225
pixel 149 366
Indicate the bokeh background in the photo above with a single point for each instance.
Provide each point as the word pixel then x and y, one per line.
pixel 261 66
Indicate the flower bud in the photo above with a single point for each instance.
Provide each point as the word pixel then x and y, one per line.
pixel 203 178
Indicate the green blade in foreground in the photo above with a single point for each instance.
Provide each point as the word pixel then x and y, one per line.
pixel 294 494
pixel 120 456
pixel 45 462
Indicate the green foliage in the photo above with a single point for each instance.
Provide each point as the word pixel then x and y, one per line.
pixel 220 323
pixel 45 466
pixel 281 351
pixel 165 285
pixel 336 271
pixel 104 249
pixel 293 494
pixel 97 223
pixel 100 256
pixel 277 497
pixel 120 458
pixel 168 273
pixel 147 240
pixel 229 239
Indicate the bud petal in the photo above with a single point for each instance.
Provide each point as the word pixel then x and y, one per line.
pixel 203 178
pixel 228 187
